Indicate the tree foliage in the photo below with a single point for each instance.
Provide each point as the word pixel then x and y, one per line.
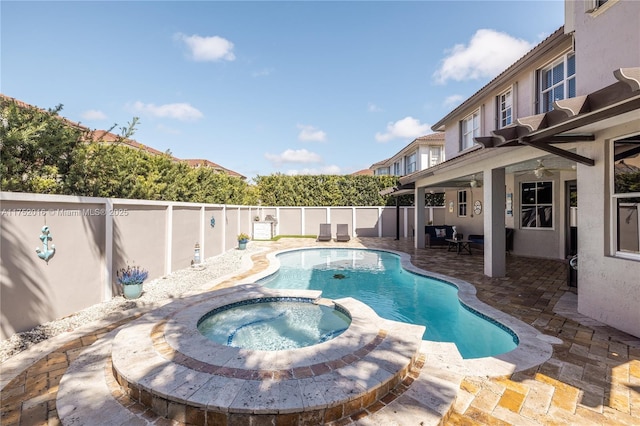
pixel 112 170
pixel 324 190
pixel 36 148
pixel 43 153
pixel 627 182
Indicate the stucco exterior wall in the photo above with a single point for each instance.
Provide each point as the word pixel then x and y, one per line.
pixel 367 220
pixel 604 42
pixel 406 219
pixel 470 224
pixel 341 215
pixel 140 238
pixel 185 235
pixel 213 236
pixel 233 227
pixel 313 218
pixel 540 242
pixel 34 291
pixel 608 286
pixel 290 222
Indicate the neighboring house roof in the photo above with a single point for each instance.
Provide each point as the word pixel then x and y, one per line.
pixel 22 104
pixel 553 41
pixel 437 136
pixel 380 163
pixel 105 136
pixel 435 139
pixel 108 137
pixel 363 172
pixel 199 162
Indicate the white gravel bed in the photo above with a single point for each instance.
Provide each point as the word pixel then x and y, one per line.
pixel 157 290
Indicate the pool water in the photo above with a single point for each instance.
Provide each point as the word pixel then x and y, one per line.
pixel 273 325
pixel 377 279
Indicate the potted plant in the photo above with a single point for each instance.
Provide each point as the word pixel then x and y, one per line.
pixel 243 239
pixel 131 279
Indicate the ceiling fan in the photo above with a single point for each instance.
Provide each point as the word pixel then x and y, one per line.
pixel 474 183
pixel 541 171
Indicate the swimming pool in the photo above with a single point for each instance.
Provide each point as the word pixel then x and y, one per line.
pixel 377 279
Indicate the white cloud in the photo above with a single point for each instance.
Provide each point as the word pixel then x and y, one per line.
pixel 294 156
pixel 204 49
pixel 262 73
pixel 407 128
pixel 94 114
pixel 453 100
pixel 488 53
pixel 325 170
pixel 179 111
pixel 371 107
pixel 311 134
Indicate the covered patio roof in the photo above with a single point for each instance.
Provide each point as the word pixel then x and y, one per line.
pixel 554 127
pixel 571 120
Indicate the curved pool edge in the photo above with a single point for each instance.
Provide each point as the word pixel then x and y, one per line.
pixel 533 346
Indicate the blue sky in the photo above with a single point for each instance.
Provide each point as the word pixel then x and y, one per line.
pixel 265 87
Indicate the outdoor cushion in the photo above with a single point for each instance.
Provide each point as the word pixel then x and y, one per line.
pixel 437 234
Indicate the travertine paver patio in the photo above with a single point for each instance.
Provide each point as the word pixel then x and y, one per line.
pixel 593 376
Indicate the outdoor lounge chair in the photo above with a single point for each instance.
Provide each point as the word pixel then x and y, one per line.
pixel 342 232
pixel 325 232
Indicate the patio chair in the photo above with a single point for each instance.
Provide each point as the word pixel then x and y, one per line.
pixel 325 232
pixel 342 232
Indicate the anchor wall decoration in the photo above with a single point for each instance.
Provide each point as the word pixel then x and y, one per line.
pixel 46 253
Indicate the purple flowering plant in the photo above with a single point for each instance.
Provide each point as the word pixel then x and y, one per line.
pixel 132 275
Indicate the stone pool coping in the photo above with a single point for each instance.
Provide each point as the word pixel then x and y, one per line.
pixel 534 348
pixel 162 361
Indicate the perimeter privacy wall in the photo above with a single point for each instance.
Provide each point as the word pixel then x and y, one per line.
pixel 94 237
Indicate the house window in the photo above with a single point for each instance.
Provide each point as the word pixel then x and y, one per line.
pixel 469 129
pixel 435 155
pixel 626 196
pixel 382 171
pixel 594 5
pixel 411 163
pixel 462 203
pixel 536 205
pixel 557 81
pixel 505 108
pixel 396 168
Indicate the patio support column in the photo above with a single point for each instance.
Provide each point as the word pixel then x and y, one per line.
pixel 419 217
pixel 494 224
pixel 397 218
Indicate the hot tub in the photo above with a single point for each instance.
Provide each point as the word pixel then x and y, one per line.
pixel 274 323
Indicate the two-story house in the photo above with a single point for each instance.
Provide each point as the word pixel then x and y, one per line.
pixel 422 152
pixel 539 150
